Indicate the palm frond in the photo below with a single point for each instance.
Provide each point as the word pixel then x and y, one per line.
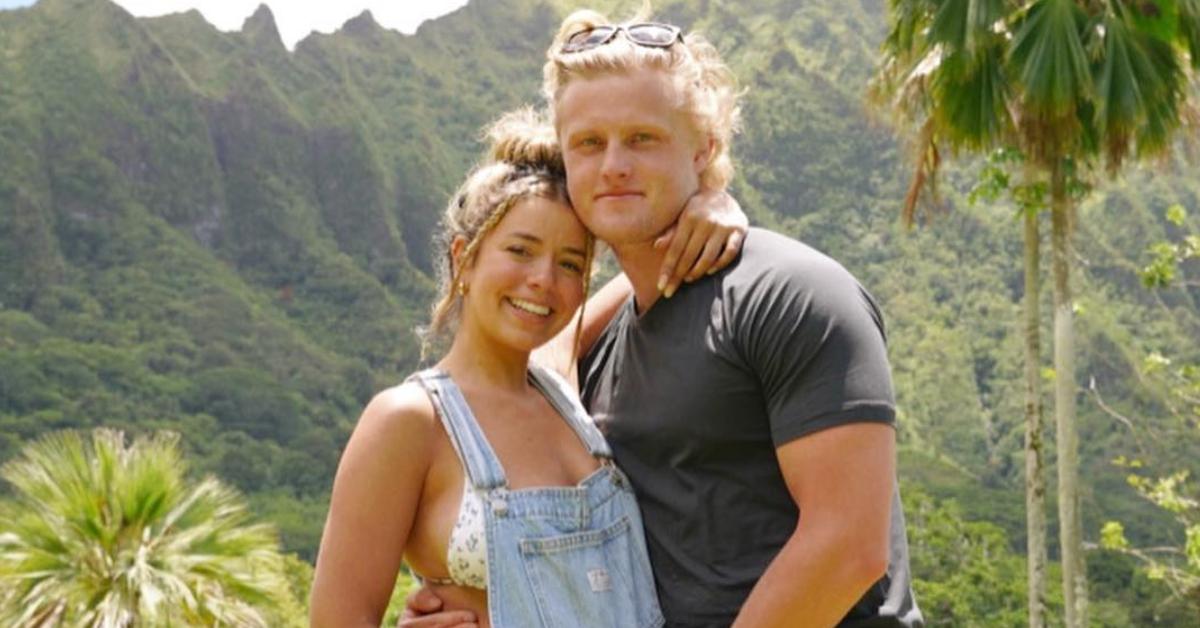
pixel 1189 30
pixel 973 94
pixel 966 25
pixel 109 534
pixel 1049 60
pixel 1139 84
pixel 910 19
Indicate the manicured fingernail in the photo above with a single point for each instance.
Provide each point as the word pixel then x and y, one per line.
pixel 662 283
pixel 670 292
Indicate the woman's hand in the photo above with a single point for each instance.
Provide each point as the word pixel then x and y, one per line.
pixel 706 238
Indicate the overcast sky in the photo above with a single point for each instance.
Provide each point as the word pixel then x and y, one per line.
pixel 295 18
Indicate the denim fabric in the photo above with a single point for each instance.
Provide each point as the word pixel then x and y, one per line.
pixel 557 556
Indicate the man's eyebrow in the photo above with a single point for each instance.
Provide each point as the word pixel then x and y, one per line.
pixel 529 237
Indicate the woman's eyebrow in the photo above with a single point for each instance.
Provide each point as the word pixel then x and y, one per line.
pixel 529 237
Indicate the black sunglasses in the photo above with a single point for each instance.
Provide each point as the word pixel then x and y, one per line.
pixel 649 34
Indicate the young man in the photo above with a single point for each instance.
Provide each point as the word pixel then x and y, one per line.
pixel 753 409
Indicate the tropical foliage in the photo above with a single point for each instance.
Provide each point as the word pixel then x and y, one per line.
pixel 1176 563
pixel 204 232
pixel 1069 84
pixel 104 533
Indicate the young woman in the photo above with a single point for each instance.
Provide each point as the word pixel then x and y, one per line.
pixel 484 473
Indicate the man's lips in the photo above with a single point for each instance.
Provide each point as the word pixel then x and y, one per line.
pixel 618 194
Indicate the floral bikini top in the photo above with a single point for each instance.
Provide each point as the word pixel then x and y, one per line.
pixel 466 555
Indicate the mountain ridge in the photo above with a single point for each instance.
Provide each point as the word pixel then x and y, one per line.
pixel 203 231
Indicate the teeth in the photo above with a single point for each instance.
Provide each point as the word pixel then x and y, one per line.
pixel 532 308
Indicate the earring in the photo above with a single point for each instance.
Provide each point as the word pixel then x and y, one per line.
pixel 462 288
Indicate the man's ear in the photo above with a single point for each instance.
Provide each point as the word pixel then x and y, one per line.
pixel 704 153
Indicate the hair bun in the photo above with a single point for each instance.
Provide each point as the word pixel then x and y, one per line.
pixel 525 138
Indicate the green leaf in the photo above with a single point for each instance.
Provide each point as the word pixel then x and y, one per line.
pixel 973 92
pixel 1191 247
pixel 965 24
pixel 1112 536
pixel 1176 215
pixel 1192 547
pixel 1049 58
pixel 1155 362
pixel 1189 29
pixel 1159 18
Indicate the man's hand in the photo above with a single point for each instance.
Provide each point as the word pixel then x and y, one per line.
pixel 423 609
pixel 706 238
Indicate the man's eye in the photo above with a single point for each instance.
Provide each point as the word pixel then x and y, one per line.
pixel 589 142
pixel 641 138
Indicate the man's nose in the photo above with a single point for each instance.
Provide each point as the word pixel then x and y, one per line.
pixel 616 164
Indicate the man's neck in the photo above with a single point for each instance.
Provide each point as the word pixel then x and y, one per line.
pixel 641 264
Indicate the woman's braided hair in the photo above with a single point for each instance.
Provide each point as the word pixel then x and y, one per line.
pixel 524 161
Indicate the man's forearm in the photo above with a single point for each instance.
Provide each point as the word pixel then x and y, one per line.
pixel 814 580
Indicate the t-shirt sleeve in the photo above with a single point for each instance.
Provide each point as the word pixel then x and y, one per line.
pixel 815 339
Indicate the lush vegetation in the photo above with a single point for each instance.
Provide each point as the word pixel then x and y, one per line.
pixel 204 232
pixel 108 534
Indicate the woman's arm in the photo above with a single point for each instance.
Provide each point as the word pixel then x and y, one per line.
pixel 559 353
pixel 706 238
pixel 375 497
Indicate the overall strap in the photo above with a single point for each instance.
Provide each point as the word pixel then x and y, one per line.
pixel 566 402
pixel 482 466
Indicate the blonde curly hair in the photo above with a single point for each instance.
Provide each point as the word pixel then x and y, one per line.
pixel 707 86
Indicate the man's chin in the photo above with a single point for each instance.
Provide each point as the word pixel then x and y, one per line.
pixel 625 235
pixel 618 239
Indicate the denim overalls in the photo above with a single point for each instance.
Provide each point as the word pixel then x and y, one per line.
pixel 557 556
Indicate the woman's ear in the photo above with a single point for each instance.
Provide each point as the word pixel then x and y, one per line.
pixel 458 246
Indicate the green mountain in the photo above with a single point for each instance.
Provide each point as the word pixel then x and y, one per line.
pixel 206 232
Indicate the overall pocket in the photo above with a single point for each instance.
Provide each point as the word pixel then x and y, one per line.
pixel 594 578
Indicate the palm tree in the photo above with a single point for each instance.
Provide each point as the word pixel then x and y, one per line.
pixel 105 534
pixel 1069 83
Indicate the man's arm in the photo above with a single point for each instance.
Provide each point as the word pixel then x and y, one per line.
pixel 842 480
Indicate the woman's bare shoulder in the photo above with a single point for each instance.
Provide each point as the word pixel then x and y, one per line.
pixel 400 415
pixel 403 402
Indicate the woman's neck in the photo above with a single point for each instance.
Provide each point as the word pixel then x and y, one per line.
pixel 475 361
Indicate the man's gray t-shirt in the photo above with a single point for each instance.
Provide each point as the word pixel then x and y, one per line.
pixel 695 395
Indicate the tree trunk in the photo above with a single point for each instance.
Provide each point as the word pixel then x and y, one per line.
pixel 1035 478
pixel 1070 525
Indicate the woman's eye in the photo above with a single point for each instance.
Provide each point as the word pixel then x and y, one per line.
pixel 519 251
pixel 574 267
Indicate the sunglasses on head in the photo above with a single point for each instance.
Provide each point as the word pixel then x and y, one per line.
pixel 649 34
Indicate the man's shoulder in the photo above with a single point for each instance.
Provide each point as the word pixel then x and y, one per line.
pixel 770 260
